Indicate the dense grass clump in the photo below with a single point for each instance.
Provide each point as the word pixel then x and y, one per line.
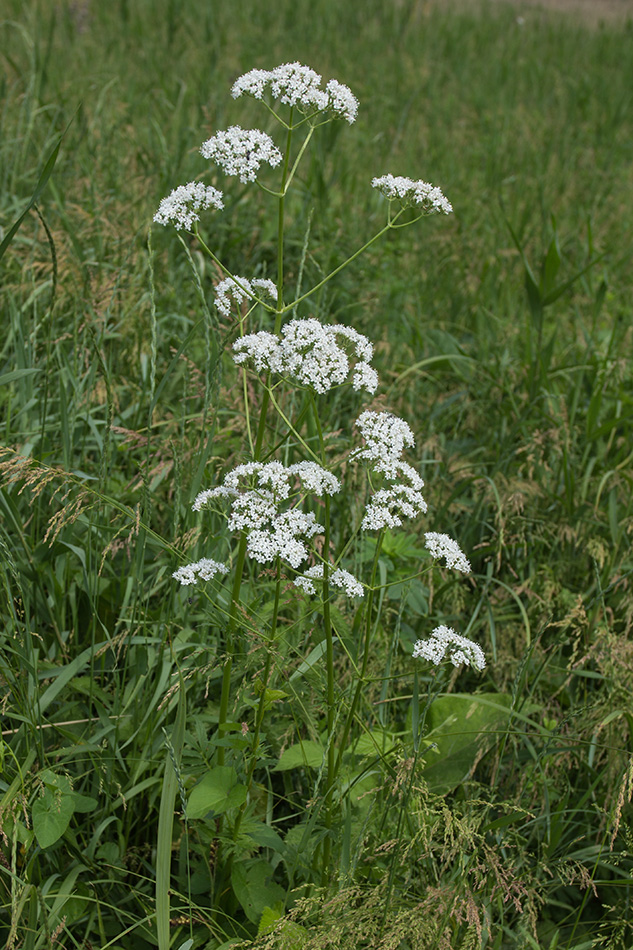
pixel 458 809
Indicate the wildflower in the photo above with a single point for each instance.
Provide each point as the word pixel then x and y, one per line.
pixel 241 151
pixel 298 86
pixel 180 207
pixel 387 506
pixel 445 642
pixel 257 507
pixel 386 437
pixel 240 289
pixel 339 578
pixel 310 354
pixel 204 569
pixel 440 545
pixel 409 192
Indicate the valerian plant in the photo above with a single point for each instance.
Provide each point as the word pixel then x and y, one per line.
pixel 298 581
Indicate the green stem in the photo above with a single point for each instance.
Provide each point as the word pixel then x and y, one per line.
pixel 261 707
pixel 363 670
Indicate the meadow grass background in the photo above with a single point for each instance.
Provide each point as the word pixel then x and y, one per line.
pixel 503 336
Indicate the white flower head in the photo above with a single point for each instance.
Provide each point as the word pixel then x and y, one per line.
pixel 241 151
pixel 388 506
pixel 260 494
pixel 310 353
pixel 444 642
pixel 338 578
pixel 295 85
pixel 204 569
pixel 408 192
pixel 440 545
pixel 241 289
pixel 182 205
pixel 386 437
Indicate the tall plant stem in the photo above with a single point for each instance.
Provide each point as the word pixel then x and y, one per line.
pixel 329 664
pixel 261 429
pixel 363 670
pixel 261 707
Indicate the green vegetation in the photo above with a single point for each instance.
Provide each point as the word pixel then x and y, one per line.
pixel 499 814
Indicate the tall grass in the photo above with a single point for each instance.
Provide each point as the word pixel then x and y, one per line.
pixel 504 335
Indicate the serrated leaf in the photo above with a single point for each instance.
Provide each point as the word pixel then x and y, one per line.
pixel 307 754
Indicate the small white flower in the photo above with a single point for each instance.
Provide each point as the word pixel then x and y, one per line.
pixel 204 569
pixel 347 582
pixel 299 86
pixel 258 491
pixel 386 437
pixel 388 506
pixel 445 642
pixel 315 478
pixel 409 192
pixel 339 578
pixel 181 206
pixel 309 353
pixel 240 289
pixel 440 545
pixel 241 151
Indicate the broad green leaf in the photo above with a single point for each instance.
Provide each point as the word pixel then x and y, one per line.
pixel 263 835
pixel 53 810
pixel 374 743
pixel 307 754
pixel 84 803
pixel 288 935
pixel 460 728
pixel 216 792
pixel 254 888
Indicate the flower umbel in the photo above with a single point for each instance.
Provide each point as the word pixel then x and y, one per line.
pixel 440 545
pixel 272 530
pixel 310 354
pixel 295 85
pixel 204 569
pixel 241 151
pixel 444 642
pixel 181 206
pixel 339 578
pixel 408 192
pixel 240 289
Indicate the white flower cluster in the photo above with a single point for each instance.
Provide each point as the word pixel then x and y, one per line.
pixel 256 509
pixel 445 642
pixel 297 85
pixel 339 578
pixel 410 192
pixel 240 289
pixel 310 354
pixel 204 569
pixel 181 206
pixel 241 151
pixel 386 437
pixel 440 545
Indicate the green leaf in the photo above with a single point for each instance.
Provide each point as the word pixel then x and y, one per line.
pixel 460 728
pixel 41 184
pixel 14 374
pixel 254 888
pixel 216 793
pixel 53 810
pixel 84 803
pixel 307 754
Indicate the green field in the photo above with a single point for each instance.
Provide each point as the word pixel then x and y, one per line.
pixel 237 762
